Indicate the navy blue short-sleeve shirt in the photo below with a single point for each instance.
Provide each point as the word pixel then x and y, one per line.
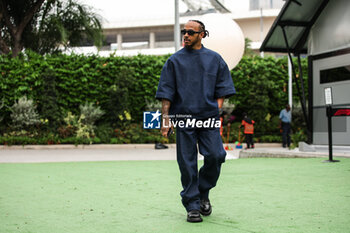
pixel 193 80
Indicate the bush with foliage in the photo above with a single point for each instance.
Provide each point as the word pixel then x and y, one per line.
pixel 124 87
pixel 24 114
pixel 82 126
pixel 90 113
pixel 114 83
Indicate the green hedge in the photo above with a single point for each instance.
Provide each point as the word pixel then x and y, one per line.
pixel 80 79
pixel 128 83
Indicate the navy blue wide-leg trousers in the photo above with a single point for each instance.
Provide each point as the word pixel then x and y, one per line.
pixel 196 185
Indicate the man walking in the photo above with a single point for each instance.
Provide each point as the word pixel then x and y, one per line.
pixel 285 118
pixel 194 82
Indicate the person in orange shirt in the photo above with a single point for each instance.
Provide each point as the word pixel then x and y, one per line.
pixel 248 125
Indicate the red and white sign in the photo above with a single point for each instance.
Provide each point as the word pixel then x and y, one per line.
pixel 341 112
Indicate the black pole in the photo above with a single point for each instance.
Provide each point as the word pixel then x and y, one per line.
pixel 301 79
pixel 330 142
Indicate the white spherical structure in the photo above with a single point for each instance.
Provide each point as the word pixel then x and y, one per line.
pixel 225 38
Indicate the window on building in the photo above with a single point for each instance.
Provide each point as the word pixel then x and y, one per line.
pixel 335 74
pixel 266 4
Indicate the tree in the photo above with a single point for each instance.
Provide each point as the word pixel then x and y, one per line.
pixel 248 51
pixel 45 26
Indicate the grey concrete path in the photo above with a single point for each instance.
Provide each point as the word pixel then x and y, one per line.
pixel 287 153
pixel 71 153
pixel 76 154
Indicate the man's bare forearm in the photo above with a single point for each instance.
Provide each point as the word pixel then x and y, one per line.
pixel 165 107
pixel 165 113
pixel 220 102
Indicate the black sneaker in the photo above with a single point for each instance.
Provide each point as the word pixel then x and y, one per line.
pixel 205 207
pixel 194 216
pixel 160 146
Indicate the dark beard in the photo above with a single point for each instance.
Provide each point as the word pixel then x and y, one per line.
pixel 190 46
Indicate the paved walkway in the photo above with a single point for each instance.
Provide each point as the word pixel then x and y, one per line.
pixel 286 153
pixel 71 153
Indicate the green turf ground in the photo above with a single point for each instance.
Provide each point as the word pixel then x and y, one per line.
pixel 252 195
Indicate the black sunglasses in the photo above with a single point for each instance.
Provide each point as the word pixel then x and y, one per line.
pixel 189 32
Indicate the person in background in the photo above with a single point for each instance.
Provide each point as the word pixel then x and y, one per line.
pixel 248 125
pixel 285 120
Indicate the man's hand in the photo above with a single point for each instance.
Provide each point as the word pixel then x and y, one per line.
pixel 165 126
